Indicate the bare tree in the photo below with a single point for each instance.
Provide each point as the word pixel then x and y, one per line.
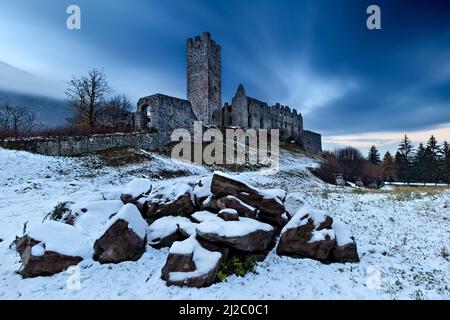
pixel 17 119
pixel 87 95
pixel 117 113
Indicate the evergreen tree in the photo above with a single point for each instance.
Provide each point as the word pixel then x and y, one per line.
pixel 432 160
pixel 420 164
pixel 404 160
pixel 445 162
pixel 374 156
pixel 388 167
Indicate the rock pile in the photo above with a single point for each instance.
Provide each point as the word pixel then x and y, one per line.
pixel 203 223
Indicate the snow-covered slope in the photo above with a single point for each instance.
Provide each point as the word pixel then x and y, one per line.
pixel 404 243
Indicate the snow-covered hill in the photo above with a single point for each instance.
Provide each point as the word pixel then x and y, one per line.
pixel 404 242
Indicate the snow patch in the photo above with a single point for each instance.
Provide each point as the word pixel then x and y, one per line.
pixel 343 233
pixel 61 238
pixel 130 214
pixel 230 229
pixel 137 187
pixel 166 226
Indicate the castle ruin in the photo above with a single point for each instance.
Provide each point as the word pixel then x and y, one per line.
pixel 163 114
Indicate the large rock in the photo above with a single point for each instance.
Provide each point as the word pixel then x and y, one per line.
pixel 169 200
pixel 346 249
pixel 246 235
pixel 50 248
pixel 228 215
pixel 210 204
pixel 136 189
pixel 243 209
pixel 191 265
pixel 167 230
pixel 124 238
pixel 202 190
pixel 308 235
pixel 44 264
pixel 268 203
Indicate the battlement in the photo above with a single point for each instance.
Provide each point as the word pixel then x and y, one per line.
pixel 204 41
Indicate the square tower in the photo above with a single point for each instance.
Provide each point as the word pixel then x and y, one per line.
pixel 204 78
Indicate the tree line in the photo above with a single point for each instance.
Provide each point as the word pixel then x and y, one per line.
pixel 95 110
pixel 428 163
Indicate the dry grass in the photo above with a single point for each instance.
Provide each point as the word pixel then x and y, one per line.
pixel 121 157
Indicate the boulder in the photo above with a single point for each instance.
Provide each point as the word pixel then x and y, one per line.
pixel 124 238
pixel 202 190
pixel 167 230
pixel 210 204
pixel 134 190
pixel 169 200
pixel 246 235
pixel 45 263
pixel 268 203
pixel 191 265
pixel 243 209
pixel 50 248
pixel 308 235
pixel 228 215
pixel 346 249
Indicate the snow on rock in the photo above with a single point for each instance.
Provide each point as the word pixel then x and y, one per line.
pixel 124 238
pixel 202 190
pixel 50 248
pixel 130 214
pixel 243 209
pixel 346 249
pixel 277 194
pixel 175 198
pixel 191 265
pixel 293 202
pixel 270 206
pixel 246 234
pixel 138 187
pixel 343 233
pixel 228 215
pixel 313 234
pixel 94 216
pixel 165 231
pixel 61 238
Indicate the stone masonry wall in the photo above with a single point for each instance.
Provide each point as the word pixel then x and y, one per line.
pixel 204 77
pixel 74 146
pixel 312 142
pixel 167 114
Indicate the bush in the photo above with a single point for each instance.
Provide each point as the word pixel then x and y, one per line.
pixel 349 162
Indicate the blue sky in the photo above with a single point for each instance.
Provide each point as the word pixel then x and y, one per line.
pixel 353 85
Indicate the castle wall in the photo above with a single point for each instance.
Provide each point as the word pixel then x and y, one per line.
pixel 204 78
pixel 312 142
pixel 167 114
pixel 79 145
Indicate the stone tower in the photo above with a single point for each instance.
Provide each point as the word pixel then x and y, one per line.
pixel 204 78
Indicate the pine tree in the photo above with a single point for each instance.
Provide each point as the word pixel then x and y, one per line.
pixel 432 160
pixel 445 162
pixel 404 160
pixel 420 164
pixel 388 167
pixel 374 156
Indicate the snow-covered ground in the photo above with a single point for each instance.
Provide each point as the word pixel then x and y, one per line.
pixel 404 242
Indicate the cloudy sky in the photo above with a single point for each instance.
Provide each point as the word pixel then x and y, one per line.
pixel 355 86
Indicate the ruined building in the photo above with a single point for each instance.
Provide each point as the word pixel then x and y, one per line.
pixel 164 114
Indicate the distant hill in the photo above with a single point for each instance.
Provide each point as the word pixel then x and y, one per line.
pixel 51 112
pixel 43 97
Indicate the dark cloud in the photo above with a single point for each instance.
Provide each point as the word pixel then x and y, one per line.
pixel 316 55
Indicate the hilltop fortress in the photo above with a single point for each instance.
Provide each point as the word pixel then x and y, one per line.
pixel 163 114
